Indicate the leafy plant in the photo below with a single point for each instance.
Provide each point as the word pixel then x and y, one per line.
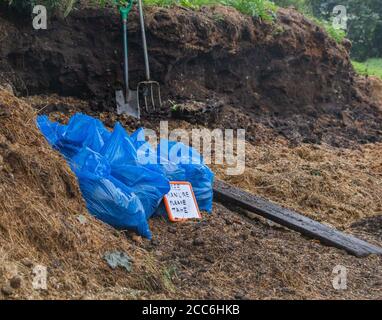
pixel 337 34
pixel 364 24
pixel 371 67
pixel 262 9
pixel 174 106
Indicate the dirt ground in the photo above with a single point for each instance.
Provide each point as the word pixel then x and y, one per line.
pixel 313 145
pixel 229 256
pixel 226 257
pixel 372 85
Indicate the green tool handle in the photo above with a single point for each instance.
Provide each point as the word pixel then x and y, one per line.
pixel 125 8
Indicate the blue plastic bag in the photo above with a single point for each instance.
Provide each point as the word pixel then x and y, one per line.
pixel 81 131
pixel 149 184
pixel 51 130
pixel 119 149
pixel 107 198
pixel 85 131
pixel 187 165
pixel 88 160
pixel 146 155
pixel 178 162
pixel 112 202
pixel 122 178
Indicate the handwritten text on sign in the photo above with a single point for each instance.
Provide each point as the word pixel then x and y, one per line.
pixel 181 203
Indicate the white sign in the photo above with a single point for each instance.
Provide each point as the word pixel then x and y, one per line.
pixel 180 202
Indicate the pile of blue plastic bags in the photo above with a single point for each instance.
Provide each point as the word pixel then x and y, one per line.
pixel 123 179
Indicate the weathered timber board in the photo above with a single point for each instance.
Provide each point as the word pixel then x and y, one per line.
pixel 230 195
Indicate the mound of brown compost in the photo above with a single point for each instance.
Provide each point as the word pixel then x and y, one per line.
pixel 372 86
pixel 287 74
pixel 224 256
pixel 44 222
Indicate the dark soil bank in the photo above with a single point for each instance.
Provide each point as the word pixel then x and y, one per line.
pixel 288 75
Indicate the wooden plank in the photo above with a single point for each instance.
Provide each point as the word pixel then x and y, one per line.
pixel 230 195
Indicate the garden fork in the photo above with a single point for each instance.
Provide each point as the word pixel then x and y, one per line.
pixel 148 90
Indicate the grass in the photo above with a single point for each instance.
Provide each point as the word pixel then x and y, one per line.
pixel 262 9
pixel 305 8
pixel 337 34
pixel 371 67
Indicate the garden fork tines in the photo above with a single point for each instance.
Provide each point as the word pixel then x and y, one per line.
pixel 148 90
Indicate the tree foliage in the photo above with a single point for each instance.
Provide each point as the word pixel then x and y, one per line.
pixel 364 22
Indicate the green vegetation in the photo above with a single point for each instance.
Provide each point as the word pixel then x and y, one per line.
pixel 262 9
pixel 305 7
pixel 337 34
pixel 364 23
pixel 371 67
pixel 192 4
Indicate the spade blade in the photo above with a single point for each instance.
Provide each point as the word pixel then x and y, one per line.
pixel 130 106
